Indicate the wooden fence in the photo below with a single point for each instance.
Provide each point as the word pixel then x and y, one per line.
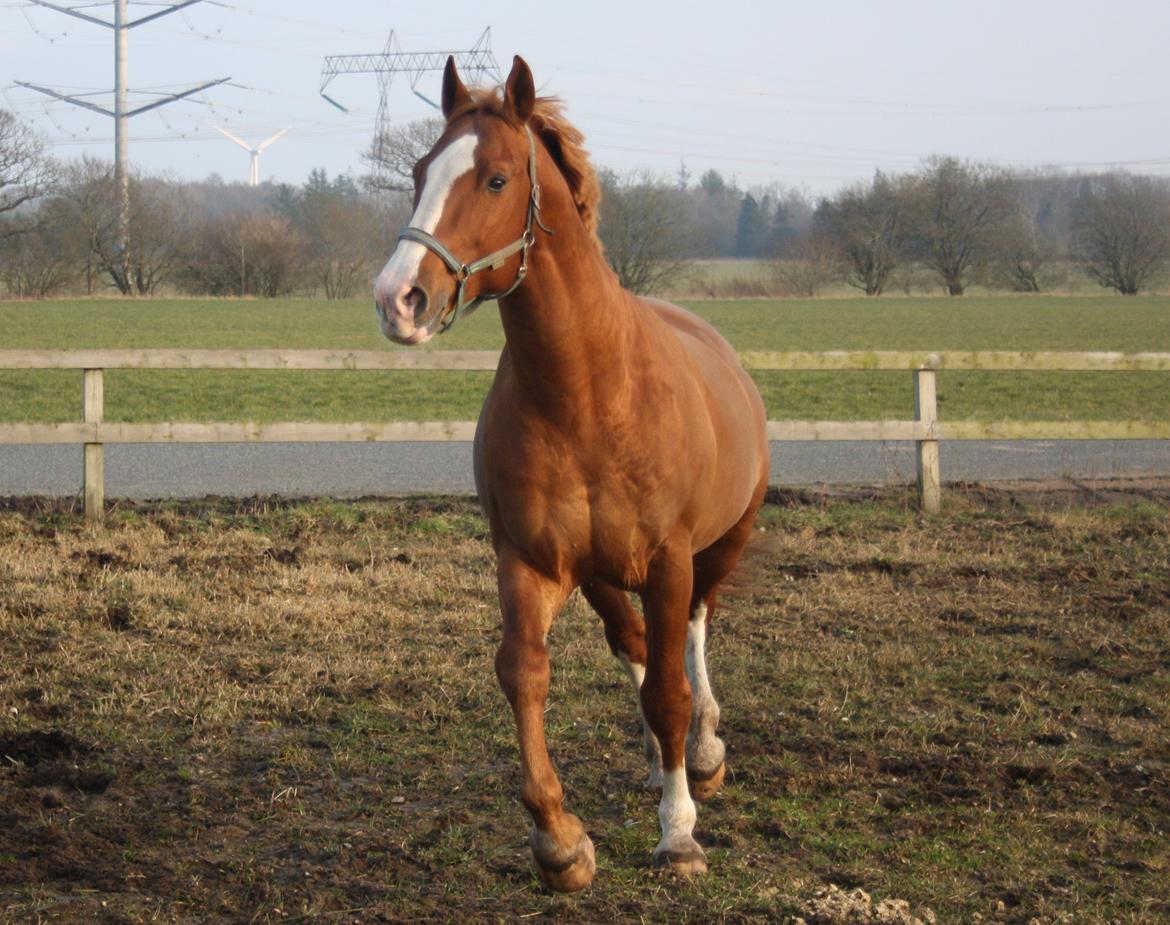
pixel 925 430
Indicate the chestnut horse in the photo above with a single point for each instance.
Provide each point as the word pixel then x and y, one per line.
pixel 621 448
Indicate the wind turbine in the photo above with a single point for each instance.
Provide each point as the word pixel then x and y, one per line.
pixel 254 169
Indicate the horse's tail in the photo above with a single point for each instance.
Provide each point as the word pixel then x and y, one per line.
pixel 753 575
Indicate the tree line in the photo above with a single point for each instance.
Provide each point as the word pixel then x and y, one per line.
pixel 950 223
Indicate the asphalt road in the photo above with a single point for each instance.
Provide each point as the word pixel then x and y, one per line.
pixel 347 470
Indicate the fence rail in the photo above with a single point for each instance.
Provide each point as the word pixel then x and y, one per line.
pixel 925 430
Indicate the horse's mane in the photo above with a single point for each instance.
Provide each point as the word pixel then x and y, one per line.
pixel 565 143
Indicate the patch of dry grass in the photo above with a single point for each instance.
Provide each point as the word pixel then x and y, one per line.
pixel 287 711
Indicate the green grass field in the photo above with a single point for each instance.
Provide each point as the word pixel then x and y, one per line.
pixel 999 322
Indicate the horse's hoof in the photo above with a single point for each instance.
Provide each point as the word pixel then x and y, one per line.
pixel 687 859
pixel 567 874
pixel 703 789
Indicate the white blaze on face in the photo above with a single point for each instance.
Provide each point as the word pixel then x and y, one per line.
pixel 400 273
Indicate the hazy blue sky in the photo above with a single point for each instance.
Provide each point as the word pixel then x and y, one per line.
pixel 809 94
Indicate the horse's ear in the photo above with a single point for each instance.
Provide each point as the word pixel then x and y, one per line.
pixel 520 90
pixel 455 94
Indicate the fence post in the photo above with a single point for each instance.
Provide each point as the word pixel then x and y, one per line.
pixel 93 407
pixel 926 411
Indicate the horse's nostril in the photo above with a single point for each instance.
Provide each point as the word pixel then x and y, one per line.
pixel 416 302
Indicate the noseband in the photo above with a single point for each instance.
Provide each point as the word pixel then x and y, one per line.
pixel 464 271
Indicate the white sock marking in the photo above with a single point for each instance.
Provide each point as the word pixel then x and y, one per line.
pixel 676 812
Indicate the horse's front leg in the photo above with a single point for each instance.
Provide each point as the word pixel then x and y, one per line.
pixel 666 702
pixel 529 601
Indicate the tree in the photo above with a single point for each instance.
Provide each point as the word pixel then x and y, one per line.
pixel 712 213
pixel 1024 251
pixel 871 226
pixel 712 183
pixel 812 263
pixel 751 230
pixel 258 253
pixel 25 171
pixel 39 262
pixel 84 202
pixel 393 154
pixel 160 225
pixel 961 207
pixel 644 230
pixel 1122 228
pixel 161 229
pixel 346 236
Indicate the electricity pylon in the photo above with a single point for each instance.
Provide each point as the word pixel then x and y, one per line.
pixel 121 112
pixel 477 62
pixel 254 169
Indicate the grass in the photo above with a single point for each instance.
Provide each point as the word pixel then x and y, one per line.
pixel 287 712
pixel 1001 323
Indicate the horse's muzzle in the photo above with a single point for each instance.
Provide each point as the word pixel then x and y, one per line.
pixel 402 313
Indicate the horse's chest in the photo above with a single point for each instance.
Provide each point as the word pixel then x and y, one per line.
pixel 591 524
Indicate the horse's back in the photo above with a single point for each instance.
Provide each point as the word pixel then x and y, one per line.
pixel 691 325
pixel 725 376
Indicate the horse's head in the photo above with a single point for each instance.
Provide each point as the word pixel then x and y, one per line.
pixel 475 212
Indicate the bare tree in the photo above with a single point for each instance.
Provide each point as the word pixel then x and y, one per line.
pixel 161 230
pixel 160 225
pixel 25 171
pixel 347 238
pixel 38 263
pixel 393 154
pixel 249 254
pixel 85 204
pixel 961 207
pixel 1122 227
pixel 644 229
pixel 871 226
pixel 812 263
pixel 1024 251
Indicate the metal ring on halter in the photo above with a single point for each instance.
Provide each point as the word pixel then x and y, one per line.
pixel 464 271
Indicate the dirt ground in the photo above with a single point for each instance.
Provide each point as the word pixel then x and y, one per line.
pixel 286 711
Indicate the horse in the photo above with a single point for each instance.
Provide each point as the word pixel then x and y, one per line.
pixel 621 449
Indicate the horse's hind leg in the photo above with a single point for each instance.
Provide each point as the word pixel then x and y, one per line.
pixel 705 750
pixel 625 632
pixel 529 601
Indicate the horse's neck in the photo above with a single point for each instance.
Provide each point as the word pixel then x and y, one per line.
pixel 570 319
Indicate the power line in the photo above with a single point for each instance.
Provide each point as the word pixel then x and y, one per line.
pixel 478 62
pixel 121 113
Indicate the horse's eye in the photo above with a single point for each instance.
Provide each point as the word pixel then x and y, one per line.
pixel 497 183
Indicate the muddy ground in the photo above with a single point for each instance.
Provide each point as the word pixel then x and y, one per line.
pixel 286 711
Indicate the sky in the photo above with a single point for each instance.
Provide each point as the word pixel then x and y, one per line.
pixel 812 95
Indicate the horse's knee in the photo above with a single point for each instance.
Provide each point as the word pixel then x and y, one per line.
pixel 522 668
pixel 666 706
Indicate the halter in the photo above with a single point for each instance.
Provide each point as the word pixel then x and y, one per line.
pixel 464 271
